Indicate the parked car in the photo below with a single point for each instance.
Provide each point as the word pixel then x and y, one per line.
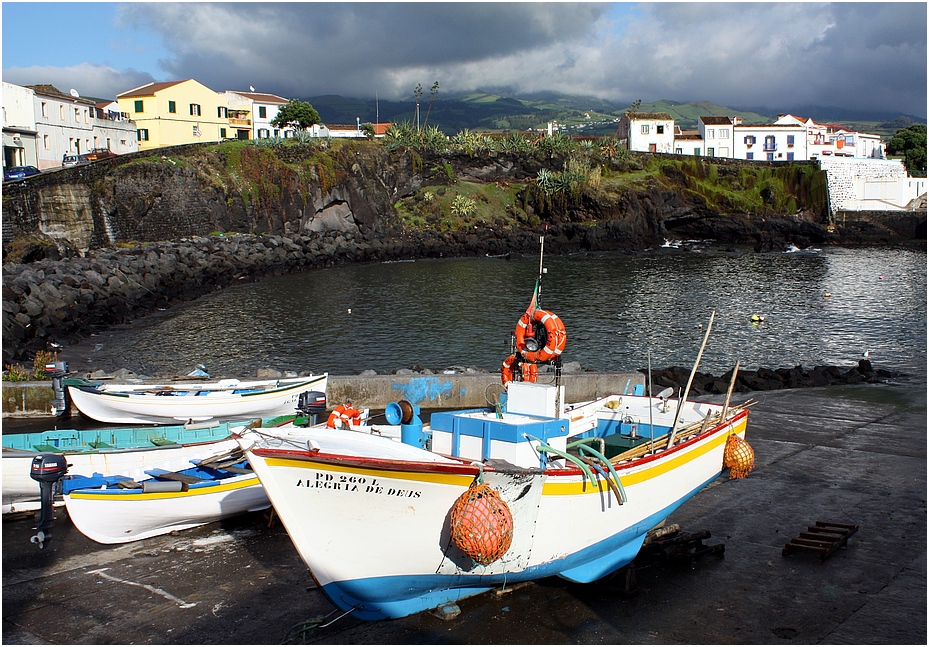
pixel 74 160
pixel 99 154
pixel 19 172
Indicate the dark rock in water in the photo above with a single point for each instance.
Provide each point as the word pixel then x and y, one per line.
pixel 766 379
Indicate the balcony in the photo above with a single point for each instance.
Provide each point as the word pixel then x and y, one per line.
pixel 239 122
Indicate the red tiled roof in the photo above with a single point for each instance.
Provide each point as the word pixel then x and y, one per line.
pixel 149 89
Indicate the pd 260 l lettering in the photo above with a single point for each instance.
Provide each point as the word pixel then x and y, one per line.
pixel 346 483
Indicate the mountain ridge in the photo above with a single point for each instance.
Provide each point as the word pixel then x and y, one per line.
pixel 498 110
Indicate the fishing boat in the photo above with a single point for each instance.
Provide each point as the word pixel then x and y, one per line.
pixel 527 488
pixel 170 403
pixel 175 495
pixel 106 450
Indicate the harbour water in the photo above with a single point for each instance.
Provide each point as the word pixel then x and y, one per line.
pixel 819 307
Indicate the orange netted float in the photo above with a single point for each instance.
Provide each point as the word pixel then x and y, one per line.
pixel 739 457
pixel 481 524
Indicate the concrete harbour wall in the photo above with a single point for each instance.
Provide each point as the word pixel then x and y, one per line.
pixel 31 399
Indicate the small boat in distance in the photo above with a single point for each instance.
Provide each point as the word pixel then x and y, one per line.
pixel 526 489
pixel 172 403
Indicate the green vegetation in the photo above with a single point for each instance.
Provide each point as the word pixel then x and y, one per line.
pixel 910 143
pixel 462 206
pixel 299 114
pixel 18 373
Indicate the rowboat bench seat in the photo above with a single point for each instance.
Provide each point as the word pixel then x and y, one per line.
pixel 165 475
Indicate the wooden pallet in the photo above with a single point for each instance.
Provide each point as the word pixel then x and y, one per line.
pixel 823 537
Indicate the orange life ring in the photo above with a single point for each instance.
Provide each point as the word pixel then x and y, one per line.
pixel 555 335
pixel 507 371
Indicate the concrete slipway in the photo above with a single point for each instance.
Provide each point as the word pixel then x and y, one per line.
pixel 849 454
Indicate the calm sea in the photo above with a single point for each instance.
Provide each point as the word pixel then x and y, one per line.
pixel 819 307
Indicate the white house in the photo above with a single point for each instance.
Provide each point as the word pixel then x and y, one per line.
pixel 770 142
pixel 251 114
pixel 19 133
pixel 647 131
pixel 717 134
pixel 67 124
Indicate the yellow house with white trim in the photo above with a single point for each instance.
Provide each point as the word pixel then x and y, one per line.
pixel 176 112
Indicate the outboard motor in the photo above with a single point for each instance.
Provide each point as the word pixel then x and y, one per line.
pixel 47 469
pixel 406 415
pixel 57 371
pixel 311 404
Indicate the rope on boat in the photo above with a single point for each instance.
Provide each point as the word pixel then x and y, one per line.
pixel 300 632
pixel 618 487
pixel 544 448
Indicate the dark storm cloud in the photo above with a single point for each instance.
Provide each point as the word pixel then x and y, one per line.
pixel 864 56
pixel 353 48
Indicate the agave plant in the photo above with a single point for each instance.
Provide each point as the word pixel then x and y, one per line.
pixel 462 206
pixel 303 135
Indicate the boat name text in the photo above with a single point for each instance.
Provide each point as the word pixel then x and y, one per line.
pixel 347 483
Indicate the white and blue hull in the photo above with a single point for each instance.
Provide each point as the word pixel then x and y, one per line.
pixel 371 521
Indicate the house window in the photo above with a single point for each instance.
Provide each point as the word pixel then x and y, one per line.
pixel 790 157
pixel 749 156
pixel 678 151
pixel 77 115
pixel 790 140
pixel 277 133
pixel 697 151
pixel 138 105
pixel 659 130
pixel 262 133
pixel 195 109
pixel 47 142
pixel 710 151
pixel 749 139
pixel 45 110
pixel 710 133
pixel 172 107
pixel 143 134
pixel 262 112
pixel 770 157
pixel 723 133
pixel 222 112
pixel 61 112
pixel 644 130
pixel 769 144
pixel 222 133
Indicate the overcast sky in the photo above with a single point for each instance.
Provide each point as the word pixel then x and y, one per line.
pixel 869 56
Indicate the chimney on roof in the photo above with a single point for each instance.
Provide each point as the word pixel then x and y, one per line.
pixel 737 121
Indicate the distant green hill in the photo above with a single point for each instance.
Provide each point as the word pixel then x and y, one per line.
pixel 499 111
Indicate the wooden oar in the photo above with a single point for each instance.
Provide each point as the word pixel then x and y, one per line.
pixel 683 400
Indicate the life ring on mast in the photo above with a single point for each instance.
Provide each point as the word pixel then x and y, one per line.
pixel 555 335
pixel 508 370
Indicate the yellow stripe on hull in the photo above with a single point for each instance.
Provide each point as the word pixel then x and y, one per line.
pixel 149 496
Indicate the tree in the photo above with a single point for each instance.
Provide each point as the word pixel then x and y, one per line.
pixel 296 113
pixel 910 142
